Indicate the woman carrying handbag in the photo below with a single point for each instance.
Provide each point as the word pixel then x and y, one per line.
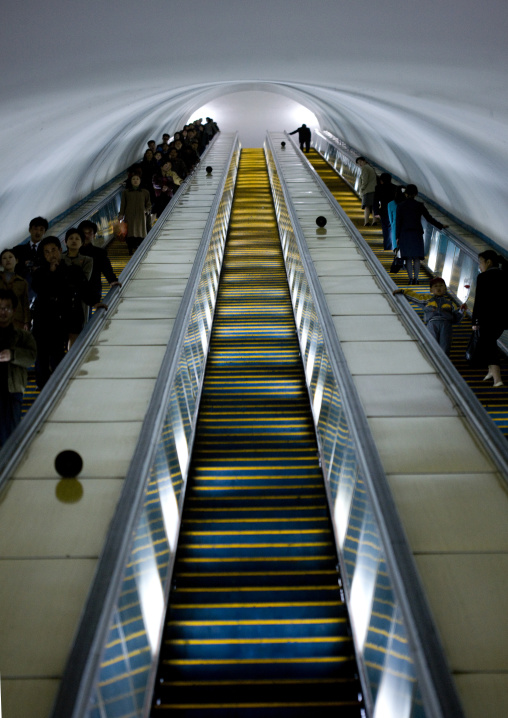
pixel 490 312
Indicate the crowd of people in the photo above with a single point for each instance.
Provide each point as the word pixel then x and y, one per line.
pixel 153 181
pixel 400 215
pixel 47 294
pixel 48 291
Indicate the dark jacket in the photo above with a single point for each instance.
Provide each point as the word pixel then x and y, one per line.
pixel 409 217
pixel 59 297
pixel 101 266
pixel 410 229
pixel 491 300
pixel 303 134
pixel 383 195
pixel 27 258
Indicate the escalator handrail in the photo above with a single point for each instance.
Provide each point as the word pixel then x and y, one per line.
pixel 14 449
pixel 496 445
pixel 432 668
pixel 83 662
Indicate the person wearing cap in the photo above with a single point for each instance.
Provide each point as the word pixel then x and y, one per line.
pixel 439 311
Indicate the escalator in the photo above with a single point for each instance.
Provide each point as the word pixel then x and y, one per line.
pixel 495 401
pixel 256 625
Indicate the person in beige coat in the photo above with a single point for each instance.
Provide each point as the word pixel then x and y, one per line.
pixel 368 181
pixel 134 207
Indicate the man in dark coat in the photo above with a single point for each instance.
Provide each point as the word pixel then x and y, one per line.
pixel 60 290
pixel 28 254
pixel 101 263
pixel 303 137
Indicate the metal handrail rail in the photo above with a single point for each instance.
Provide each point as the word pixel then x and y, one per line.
pixel 458 388
pixel 432 668
pixel 14 449
pixel 83 661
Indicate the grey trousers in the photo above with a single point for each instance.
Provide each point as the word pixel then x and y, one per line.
pixel 441 330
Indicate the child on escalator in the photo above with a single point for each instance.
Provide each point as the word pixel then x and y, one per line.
pixel 440 311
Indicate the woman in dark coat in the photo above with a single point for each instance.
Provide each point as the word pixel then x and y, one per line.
pixel 149 167
pixel 490 311
pixel 409 231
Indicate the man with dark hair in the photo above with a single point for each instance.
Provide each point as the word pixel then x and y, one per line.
pixel 210 128
pixel 101 263
pixel 303 137
pixel 177 164
pixel 27 253
pixel 17 352
pixel 165 141
pixel 58 310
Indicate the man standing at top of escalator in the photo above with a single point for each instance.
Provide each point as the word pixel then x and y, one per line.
pixel 303 137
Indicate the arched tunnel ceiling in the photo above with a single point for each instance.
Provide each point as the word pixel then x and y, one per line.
pixel 419 87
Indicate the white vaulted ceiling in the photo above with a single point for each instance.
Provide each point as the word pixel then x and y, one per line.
pixel 418 87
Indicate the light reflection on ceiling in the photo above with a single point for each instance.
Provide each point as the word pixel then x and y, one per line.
pixel 418 87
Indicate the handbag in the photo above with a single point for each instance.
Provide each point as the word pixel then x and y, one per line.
pixel 474 350
pixel 397 264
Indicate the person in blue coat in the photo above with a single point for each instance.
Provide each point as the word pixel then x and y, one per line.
pixel 409 231
pixel 392 214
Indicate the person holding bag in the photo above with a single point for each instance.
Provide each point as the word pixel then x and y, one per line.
pixel 490 312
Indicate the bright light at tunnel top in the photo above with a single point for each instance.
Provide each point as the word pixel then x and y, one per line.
pixel 252 113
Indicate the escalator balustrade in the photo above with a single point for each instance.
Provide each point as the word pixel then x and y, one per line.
pixel 256 625
pixel 495 401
